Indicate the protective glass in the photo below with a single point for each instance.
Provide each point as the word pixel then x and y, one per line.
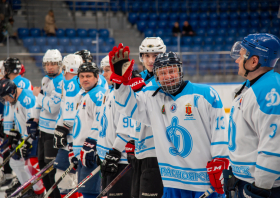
pixel 170 78
pixel 236 49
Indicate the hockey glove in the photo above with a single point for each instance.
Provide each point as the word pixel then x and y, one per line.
pixel 88 153
pixel 23 151
pixel 129 149
pixel 120 64
pixel 14 137
pixel 60 137
pixel 109 165
pixel 137 82
pixel 32 128
pixel 215 169
pixel 250 190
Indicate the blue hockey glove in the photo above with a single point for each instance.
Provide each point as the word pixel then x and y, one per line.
pixel 109 165
pixel 32 128
pixel 88 153
pixel 250 190
pixel 60 137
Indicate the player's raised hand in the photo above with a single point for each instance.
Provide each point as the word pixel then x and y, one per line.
pixel 120 64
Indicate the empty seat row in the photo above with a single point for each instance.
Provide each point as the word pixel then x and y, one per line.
pixel 69 32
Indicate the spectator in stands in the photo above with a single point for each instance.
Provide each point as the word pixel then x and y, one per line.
pixel 2 29
pixel 50 26
pixel 187 29
pixel 176 29
pixel 11 32
pixel 6 9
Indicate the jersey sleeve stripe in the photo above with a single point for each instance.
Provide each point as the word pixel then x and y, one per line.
pixel 269 153
pixel 267 169
pixel 221 156
pixel 128 97
pixel 243 163
pixel 122 138
pixel 217 143
pixel 96 129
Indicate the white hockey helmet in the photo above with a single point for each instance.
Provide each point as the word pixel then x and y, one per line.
pixel 104 62
pixel 151 45
pixel 2 68
pixel 71 63
pixel 53 56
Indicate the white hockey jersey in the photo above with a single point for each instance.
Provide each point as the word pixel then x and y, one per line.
pixel 189 130
pixel 87 112
pixel 8 115
pixel 48 103
pixel 102 82
pixel 106 125
pixel 254 132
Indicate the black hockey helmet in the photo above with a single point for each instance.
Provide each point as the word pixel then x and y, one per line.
pixel 88 67
pixel 7 87
pixel 169 59
pixel 85 54
pixel 12 65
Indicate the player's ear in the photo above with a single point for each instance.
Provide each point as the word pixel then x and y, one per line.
pixel 255 61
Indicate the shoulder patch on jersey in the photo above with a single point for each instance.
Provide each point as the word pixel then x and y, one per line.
pixel 27 99
pixel 58 82
pixel 267 92
pixel 96 95
pixel 72 87
pixel 22 82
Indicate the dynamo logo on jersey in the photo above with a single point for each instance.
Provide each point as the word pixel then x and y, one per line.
pixel 231 132
pixel 104 124
pixel 71 86
pixel 60 85
pixel 21 84
pixel 214 94
pixel 273 98
pixel 180 137
pixel 27 100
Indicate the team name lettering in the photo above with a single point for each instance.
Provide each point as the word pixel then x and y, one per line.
pixel 150 194
pixel 241 169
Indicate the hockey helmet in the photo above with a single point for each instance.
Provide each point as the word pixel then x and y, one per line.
pixel 104 62
pixel 71 63
pixel 88 67
pixel 168 72
pixel 85 54
pixel 151 45
pixel 52 56
pixel 7 88
pixel 12 65
pixel 2 69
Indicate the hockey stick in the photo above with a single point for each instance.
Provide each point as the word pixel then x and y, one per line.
pixel 208 192
pixel 82 182
pixel 4 143
pixel 33 178
pixel 14 151
pixel 59 180
pixel 127 168
pixel 5 150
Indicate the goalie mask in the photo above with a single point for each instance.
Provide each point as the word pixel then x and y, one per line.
pixel 52 62
pixel 265 46
pixel 168 72
pixel 8 88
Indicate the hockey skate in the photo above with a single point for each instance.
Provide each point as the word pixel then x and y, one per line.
pixel 8 182
pixel 15 185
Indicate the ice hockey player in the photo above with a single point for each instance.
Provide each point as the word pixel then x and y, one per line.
pixel 12 69
pixel 187 138
pixel 254 122
pixel 84 137
pixel 87 57
pixel 23 163
pixel 47 106
pixel 64 127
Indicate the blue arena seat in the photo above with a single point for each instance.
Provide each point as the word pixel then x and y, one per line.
pixel 200 32
pixel 203 16
pixel 224 16
pixel 16 5
pixel 174 41
pixel 203 68
pixel 204 7
pixel 172 48
pixel 92 49
pixel 218 48
pixel 239 38
pixel 244 23
pixel 215 57
pixel 173 17
pixel 92 33
pixel 35 32
pixel 222 31
pixel 80 47
pixel 255 23
pixel 233 7
pixel 224 23
pixel 264 30
pixel 228 47
pixel 213 16
pixel 207 48
pixel 152 25
pixel 60 48
pixel 187 40
pixel 106 49
pixel 265 23
pixel 208 40
pixel 274 31
pixel 76 41
pixel 143 16
pixel 185 48
pixel 132 17
pixel 60 32
pixel 243 6
pixel 149 33
pixel 275 22
pixel 63 41
pixel 34 49
pixel 40 40
pixel 254 15
pixel 114 6
pixel 103 6
pixel 162 24
pixel 70 32
pixel 213 7
pixel 265 15
pixel 214 67
pixel 104 33
pixel 214 23
pixel 45 48
pixel 234 23
pixel 183 17
pixel 184 6
pixel 52 41
pixel 23 32
pixel 165 7
pixel 194 24
pixel 135 6
pixel 167 40
pixel 244 16
pixel 196 48
pixel 232 31
pixel 191 69
pixel 274 5
pixel 203 24
pixel 223 6
pixel 198 40
pixel 71 49
pixel 93 6
pixel 82 32
pixel 159 32
pixel 145 6
pixel 141 25
pixel 253 30
pixel 163 16
pixel 110 41
pixel 87 41
pixel 194 7
pixel 153 16
pixel 100 41
pixel 204 57
pixel 193 16
pixel 230 40
pixel 83 6
pixel 28 41
pixel 171 24
pixel 219 40
pixel 243 32
pixel 254 5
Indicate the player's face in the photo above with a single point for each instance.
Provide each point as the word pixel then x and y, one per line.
pixel 107 74
pixel 240 61
pixel 148 60
pixel 169 75
pixel 51 67
pixel 87 80
pixel 9 99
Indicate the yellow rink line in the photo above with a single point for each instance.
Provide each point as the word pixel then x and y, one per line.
pixel 227 110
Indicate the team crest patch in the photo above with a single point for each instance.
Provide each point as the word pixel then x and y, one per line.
pixel 84 104
pixel 189 113
pixel 173 108
pixel 17 109
pixel 240 102
pixel 104 99
pixel 163 109
pixel 77 106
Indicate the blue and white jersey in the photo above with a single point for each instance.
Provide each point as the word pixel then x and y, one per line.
pixel 8 115
pixel 189 130
pixel 24 110
pixel 106 126
pixel 48 103
pixel 147 76
pixel 254 132
pixel 70 96
pixel 87 112
pixel 102 82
